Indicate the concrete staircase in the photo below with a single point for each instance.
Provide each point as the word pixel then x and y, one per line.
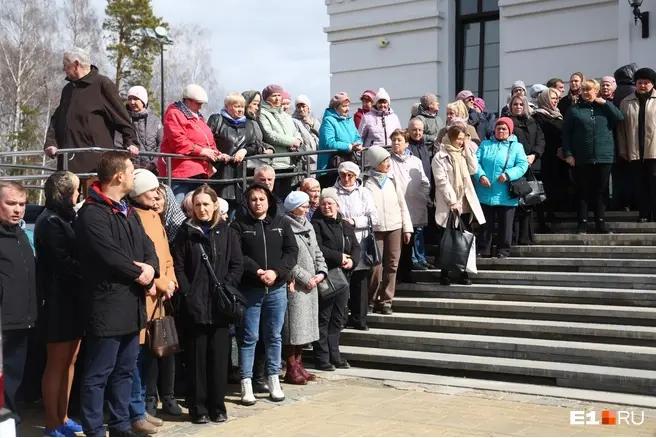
pixel 576 311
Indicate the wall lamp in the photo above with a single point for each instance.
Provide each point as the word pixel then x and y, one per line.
pixel 642 16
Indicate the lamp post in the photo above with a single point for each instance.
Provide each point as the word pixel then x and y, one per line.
pixel 161 35
pixel 642 16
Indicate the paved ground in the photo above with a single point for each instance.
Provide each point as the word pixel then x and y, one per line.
pixel 347 406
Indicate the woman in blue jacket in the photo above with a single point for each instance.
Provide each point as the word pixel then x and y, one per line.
pixel 500 160
pixel 337 132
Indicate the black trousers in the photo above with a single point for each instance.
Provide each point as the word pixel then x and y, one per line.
pixel 644 173
pixel 332 316
pixel 159 374
pixel 207 350
pixel 14 356
pixel 499 221
pixel 592 186
pixel 359 297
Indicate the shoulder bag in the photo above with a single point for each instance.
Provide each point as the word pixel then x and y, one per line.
pixel 370 251
pixel 161 333
pixel 229 300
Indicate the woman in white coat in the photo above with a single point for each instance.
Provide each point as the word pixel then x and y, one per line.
pixel 453 166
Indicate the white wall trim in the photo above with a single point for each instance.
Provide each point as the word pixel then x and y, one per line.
pixel 516 8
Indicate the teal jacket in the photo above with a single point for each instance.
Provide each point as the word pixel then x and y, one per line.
pixel 336 132
pixel 588 132
pixel 491 155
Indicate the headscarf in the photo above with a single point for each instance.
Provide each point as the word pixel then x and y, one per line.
pixel 544 104
pixel 249 95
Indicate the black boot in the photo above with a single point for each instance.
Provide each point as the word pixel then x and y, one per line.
pixel 444 278
pixel 582 228
pixel 602 227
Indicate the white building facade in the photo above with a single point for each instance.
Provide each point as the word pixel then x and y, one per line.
pixel 412 47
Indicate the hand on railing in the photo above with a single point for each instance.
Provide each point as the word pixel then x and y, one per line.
pixel 134 151
pixel 51 151
pixel 210 154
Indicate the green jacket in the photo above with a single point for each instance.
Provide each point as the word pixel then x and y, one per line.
pixel 279 131
pixel 588 132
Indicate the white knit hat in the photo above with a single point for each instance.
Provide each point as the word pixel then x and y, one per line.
pixel 140 93
pixel 349 166
pixel 223 206
pixel 331 193
pixel 302 98
pixel 294 200
pixel 144 180
pixel 194 92
pixel 382 94
pixel 375 155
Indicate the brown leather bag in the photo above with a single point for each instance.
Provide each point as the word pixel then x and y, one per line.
pixel 161 334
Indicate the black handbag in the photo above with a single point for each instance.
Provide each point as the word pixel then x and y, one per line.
pixel 230 301
pixel 455 245
pixel 161 333
pixel 370 251
pixel 334 284
pixel 529 191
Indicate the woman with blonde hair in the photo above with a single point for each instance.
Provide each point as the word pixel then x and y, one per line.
pixel 457 112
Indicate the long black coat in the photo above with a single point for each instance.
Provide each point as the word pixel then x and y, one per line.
pixel 530 135
pixel 223 248
pixel 17 279
pixel 335 237
pixel 108 243
pixel 89 112
pixel 230 137
pixel 58 274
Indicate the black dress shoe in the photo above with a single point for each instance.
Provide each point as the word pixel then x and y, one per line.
pixel 219 417
pixel 325 367
pixel 362 327
pixel 465 279
pixel 200 419
pixel 343 364
pixel 260 386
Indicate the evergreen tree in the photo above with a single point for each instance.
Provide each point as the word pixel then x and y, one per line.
pixel 131 51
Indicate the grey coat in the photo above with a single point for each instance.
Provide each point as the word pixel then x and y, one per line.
pixel 302 316
pixel 148 136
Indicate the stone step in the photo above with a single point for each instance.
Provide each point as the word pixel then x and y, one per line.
pixel 614 355
pixel 597 251
pixel 535 328
pixel 562 374
pixel 615 215
pixel 615 227
pixel 569 264
pixel 624 281
pixel 633 239
pixel 549 294
pixel 627 315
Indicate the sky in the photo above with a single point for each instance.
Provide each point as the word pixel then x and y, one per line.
pixel 259 42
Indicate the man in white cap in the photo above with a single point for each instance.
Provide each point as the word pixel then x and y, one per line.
pixel 89 114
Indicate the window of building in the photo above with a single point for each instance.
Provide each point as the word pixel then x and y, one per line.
pixel 477 49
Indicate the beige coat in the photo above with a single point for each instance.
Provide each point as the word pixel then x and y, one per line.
pixel 445 195
pixel 627 130
pixel 390 205
pixel 155 230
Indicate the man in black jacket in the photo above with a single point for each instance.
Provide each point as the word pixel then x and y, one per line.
pixel 17 288
pixel 90 111
pixel 119 264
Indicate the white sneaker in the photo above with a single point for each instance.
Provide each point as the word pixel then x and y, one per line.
pixel 247 397
pixel 275 391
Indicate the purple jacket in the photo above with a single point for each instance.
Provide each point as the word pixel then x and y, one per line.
pixel 376 127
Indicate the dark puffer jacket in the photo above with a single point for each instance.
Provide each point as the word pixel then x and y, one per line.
pixel 223 247
pixel 109 242
pixel 588 132
pixel 17 279
pixel 335 237
pixel 267 243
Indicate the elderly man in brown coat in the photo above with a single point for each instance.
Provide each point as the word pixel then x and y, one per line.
pixel 90 111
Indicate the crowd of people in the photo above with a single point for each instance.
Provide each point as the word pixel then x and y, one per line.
pixel 310 256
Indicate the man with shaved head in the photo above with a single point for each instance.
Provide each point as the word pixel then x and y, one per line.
pixel 312 187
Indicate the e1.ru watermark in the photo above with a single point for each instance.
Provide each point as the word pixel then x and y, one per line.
pixel 606 418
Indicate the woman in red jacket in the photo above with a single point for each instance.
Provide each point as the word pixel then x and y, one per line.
pixel 186 133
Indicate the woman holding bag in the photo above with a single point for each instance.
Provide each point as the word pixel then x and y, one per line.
pixel 207 338
pixel 302 317
pixel 341 251
pixel 500 160
pixel 453 165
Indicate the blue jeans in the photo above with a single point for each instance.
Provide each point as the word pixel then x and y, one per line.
pixel 109 362
pixel 180 189
pixel 137 405
pixel 270 307
pixel 418 249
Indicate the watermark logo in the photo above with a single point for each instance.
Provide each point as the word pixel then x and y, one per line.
pixel 606 418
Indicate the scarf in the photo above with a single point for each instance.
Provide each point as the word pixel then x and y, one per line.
pixel 460 169
pixel 379 177
pixel 339 185
pixel 544 105
pixel 236 122
pixel 187 112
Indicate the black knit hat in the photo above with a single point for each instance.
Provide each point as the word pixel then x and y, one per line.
pixel 645 73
